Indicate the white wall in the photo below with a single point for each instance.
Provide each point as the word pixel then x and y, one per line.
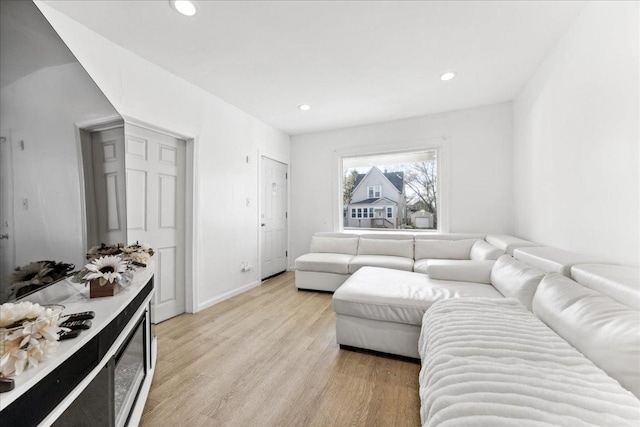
pixel 576 139
pixel 226 229
pixel 477 162
pixel 40 110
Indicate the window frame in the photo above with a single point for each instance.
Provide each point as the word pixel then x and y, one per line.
pixel 372 189
pixel 437 144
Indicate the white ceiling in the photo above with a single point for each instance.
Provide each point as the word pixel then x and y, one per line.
pixel 353 62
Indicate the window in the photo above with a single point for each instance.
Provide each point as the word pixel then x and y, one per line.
pixel 411 189
pixel 374 191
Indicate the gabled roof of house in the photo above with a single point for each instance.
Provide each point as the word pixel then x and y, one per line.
pixel 395 178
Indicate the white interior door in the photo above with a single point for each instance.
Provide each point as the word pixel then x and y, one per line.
pixel 106 222
pixel 7 245
pixel 156 211
pixel 273 217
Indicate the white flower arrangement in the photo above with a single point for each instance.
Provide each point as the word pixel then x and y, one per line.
pixel 114 263
pixel 28 335
pixel 106 269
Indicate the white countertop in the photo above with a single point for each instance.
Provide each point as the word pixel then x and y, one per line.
pixel 75 298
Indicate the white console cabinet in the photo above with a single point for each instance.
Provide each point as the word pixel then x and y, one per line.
pixel 100 378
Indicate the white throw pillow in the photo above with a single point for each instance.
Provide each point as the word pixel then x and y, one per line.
pixel 460 270
pixel 515 279
pixel 444 249
pixel 601 328
pixel 334 245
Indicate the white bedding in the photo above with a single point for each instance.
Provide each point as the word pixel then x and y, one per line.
pixel 490 362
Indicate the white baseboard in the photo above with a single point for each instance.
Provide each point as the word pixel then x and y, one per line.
pixel 227 295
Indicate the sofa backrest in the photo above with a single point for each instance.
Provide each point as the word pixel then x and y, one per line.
pixel 620 282
pixel 603 329
pixel 401 247
pixel 443 249
pixel 483 251
pixel 508 243
pixel 549 259
pixel 515 279
pixel 344 244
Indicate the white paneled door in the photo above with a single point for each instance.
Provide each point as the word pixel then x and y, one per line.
pixel 108 223
pixel 156 211
pixel 273 217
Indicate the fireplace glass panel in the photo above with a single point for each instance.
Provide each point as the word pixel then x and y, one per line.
pixel 129 374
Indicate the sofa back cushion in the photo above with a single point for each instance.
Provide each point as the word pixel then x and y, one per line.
pixel 387 247
pixel 334 245
pixel 601 328
pixel 482 251
pixel 444 249
pixel 515 279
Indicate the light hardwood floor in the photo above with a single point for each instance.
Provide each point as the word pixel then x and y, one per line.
pixel 269 357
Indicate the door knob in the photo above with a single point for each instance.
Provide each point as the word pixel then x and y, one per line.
pixel 4 236
pixel 263 224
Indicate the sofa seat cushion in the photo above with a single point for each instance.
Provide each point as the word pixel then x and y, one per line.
pixel 489 362
pixel 393 262
pixel 399 296
pixel 460 270
pixel 548 259
pixel 326 263
pixel 620 282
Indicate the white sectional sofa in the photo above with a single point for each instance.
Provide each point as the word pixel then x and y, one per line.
pixel 333 257
pixel 541 336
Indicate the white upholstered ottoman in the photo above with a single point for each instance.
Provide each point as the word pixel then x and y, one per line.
pixel 381 309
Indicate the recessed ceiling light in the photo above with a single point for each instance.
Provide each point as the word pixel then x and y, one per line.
pixel 447 76
pixel 304 107
pixel 185 7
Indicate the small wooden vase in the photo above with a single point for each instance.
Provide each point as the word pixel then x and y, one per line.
pixel 108 290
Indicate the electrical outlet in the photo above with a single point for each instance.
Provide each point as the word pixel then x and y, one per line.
pixel 25 204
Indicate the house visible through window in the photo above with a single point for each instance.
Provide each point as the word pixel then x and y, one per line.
pixel 391 191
